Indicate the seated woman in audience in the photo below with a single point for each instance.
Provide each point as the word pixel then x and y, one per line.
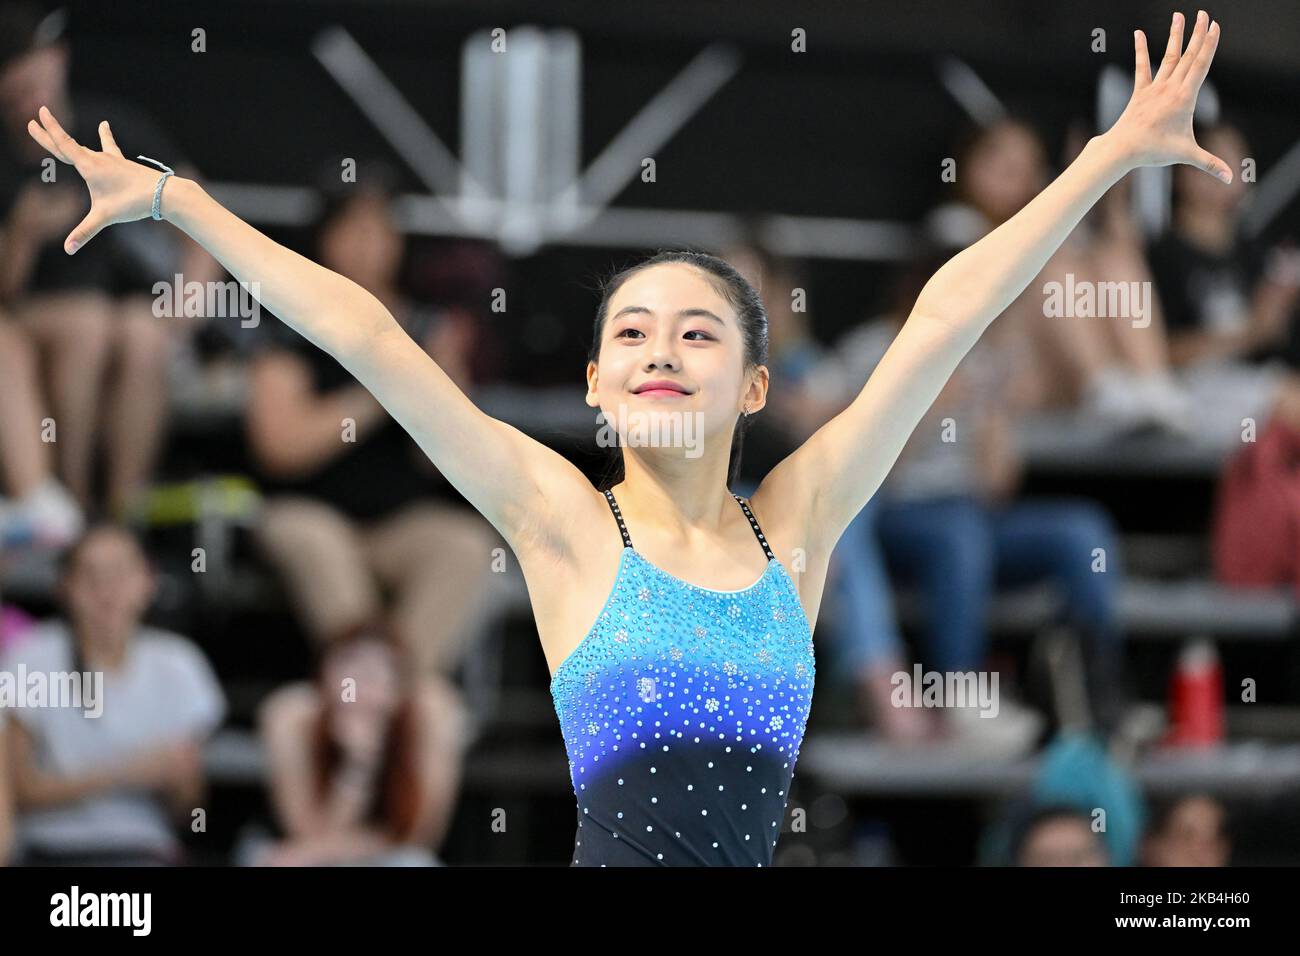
pixel 1230 304
pixel 951 526
pixel 364 765
pixel 1113 368
pixel 104 777
pixel 355 512
pixel 104 356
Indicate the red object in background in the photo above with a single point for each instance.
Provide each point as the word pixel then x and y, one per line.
pixel 1196 698
pixel 1256 524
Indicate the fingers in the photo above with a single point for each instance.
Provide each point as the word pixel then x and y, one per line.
pixel 1194 47
pixel 86 230
pixel 1197 70
pixel 1212 164
pixel 1141 61
pixel 39 134
pixel 106 141
pixel 1173 49
pixel 68 146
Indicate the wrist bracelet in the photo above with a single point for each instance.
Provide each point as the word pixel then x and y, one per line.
pixel 157 190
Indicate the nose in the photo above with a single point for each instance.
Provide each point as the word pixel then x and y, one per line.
pixel 663 353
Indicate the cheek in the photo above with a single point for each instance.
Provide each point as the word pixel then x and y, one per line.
pixel 617 368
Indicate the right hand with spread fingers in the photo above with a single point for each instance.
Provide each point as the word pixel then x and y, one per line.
pixel 121 190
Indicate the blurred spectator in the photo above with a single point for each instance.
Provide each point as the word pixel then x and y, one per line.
pixel 805 394
pixel 39 509
pixel 108 789
pixel 1058 835
pixel 365 764
pixel 89 317
pixel 1229 302
pixel 951 525
pixel 1113 368
pixel 1189 830
pixel 354 508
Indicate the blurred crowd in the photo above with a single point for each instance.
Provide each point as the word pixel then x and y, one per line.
pixel 390 575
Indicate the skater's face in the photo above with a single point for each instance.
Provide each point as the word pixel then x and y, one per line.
pixel 669 322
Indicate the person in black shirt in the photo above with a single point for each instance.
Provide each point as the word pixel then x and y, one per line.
pixel 1229 303
pixel 355 508
pixel 88 318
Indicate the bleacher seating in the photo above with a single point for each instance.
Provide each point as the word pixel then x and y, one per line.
pixel 1160 605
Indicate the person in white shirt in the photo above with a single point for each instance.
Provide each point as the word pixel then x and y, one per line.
pixel 105 779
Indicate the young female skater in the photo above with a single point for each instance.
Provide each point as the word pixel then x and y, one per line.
pixel 684 705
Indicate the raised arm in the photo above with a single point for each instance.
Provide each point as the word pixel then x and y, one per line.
pixel 837 470
pixel 498 469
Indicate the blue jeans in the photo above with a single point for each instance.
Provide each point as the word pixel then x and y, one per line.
pixel 866 632
pixel 958 550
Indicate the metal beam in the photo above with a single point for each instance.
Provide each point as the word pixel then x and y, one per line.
pixel 811 237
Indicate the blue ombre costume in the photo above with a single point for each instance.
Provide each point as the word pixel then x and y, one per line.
pixel 682 712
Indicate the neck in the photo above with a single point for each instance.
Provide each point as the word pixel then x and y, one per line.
pixel 678 496
pixel 101 652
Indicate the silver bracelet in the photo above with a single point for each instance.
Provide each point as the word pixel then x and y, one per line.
pixel 157 190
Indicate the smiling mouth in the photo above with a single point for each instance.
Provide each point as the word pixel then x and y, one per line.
pixel 660 393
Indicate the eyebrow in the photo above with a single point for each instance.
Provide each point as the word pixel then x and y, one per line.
pixel 682 314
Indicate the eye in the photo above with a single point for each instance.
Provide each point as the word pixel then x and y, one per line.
pixel 706 336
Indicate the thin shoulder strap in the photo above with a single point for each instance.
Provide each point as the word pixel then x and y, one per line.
pixel 613 506
pixel 753 523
